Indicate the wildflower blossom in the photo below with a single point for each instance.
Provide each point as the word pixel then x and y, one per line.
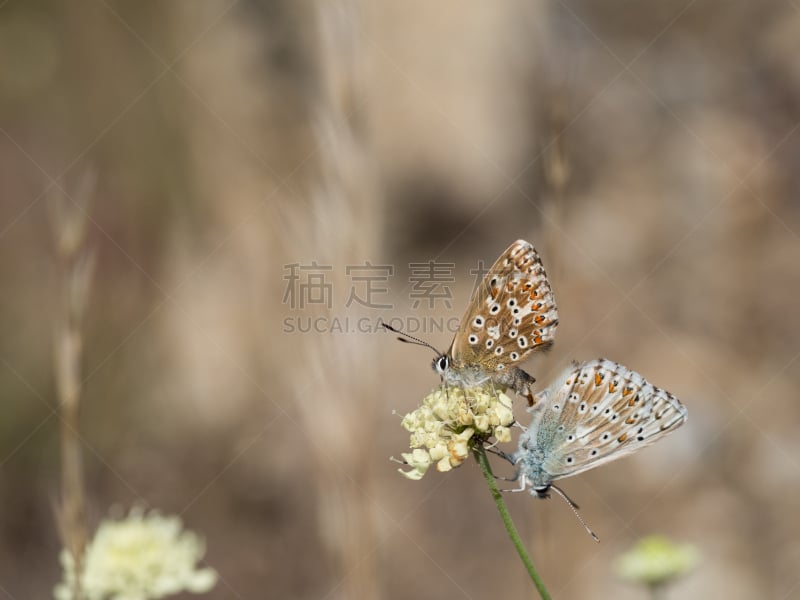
pixel 419 461
pixel 449 422
pixel 655 560
pixel 141 557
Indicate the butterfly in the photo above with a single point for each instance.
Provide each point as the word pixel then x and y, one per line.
pixel 592 413
pixel 512 314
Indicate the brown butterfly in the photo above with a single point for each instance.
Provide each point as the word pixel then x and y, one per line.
pixel 511 314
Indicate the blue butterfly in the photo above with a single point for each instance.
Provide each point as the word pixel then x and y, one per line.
pixel 592 414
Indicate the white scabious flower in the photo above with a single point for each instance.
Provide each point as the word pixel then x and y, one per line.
pixel 449 422
pixel 144 556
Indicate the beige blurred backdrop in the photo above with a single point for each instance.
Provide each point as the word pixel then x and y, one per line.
pixel 649 152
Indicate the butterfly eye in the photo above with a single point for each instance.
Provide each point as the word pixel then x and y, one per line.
pixel 442 363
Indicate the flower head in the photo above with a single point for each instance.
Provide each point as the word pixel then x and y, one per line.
pixel 450 421
pixel 655 560
pixel 141 557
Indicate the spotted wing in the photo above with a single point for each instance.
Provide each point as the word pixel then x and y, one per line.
pixel 511 314
pixel 597 412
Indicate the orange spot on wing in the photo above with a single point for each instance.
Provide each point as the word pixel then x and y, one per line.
pixel 611 387
pixel 540 319
pixel 622 438
pixel 597 379
pixel 537 339
pixel 626 391
pixel 632 401
pixel 630 420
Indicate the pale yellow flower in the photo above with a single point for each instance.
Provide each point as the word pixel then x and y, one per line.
pixel 655 560
pixel 447 424
pixel 419 461
pixel 502 434
pixel 140 557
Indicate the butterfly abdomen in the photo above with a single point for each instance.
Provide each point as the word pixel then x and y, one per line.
pixel 530 459
pixel 515 379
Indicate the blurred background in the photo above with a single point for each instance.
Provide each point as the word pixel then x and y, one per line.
pixel 261 181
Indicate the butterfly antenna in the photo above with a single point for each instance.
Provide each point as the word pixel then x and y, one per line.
pixel 574 508
pixel 409 339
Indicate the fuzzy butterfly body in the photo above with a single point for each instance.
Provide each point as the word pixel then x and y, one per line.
pixel 511 314
pixel 593 413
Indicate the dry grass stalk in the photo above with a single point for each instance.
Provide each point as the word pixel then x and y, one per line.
pixel 341 229
pixel 76 267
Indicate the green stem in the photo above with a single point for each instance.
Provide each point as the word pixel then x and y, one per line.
pixel 483 461
pixel 657 591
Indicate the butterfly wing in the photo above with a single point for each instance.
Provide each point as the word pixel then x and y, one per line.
pixel 511 314
pixel 595 413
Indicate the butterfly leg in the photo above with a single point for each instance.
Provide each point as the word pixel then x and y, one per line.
pixel 523 484
pixel 503 455
pixel 494 390
pixel 466 395
pixel 514 478
pixel 446 390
